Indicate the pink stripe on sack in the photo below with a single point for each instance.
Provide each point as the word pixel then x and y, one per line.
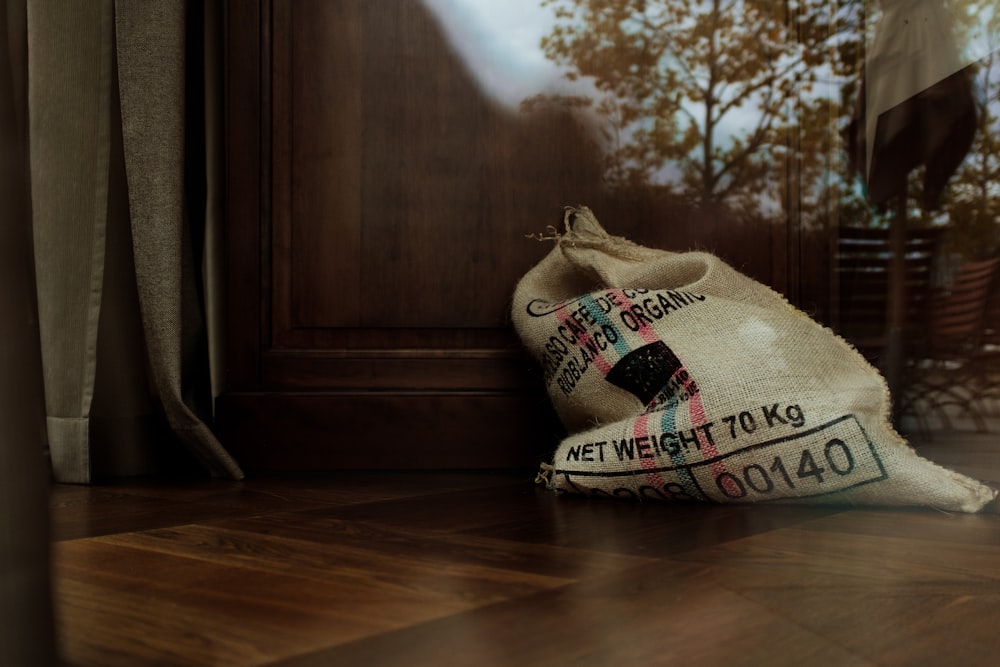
pixel 581 342
pixel 641 430
pixel 709 450
pixel 645 330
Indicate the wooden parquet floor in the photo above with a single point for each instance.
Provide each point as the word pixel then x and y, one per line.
pixel 487 569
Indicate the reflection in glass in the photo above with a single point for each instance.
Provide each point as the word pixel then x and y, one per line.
pixel 728 120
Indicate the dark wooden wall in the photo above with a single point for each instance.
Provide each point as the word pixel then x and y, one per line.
pixel 378 209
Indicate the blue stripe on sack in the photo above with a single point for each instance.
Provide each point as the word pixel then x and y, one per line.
pixel 621 345
pixel 668 425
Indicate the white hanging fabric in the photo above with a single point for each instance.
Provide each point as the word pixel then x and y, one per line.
pixel 916 101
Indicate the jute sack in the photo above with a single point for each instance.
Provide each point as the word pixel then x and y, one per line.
pixel 679 378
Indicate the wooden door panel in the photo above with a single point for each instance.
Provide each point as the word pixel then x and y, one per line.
pixel 378 207
pixel 394 201
pixel 387 431
pixel 318 124
pixel 316 177
pixel 402 195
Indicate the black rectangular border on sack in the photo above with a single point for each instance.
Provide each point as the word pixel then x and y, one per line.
pixel 883 474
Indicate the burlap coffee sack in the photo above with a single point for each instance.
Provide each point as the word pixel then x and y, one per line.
pixel 679 378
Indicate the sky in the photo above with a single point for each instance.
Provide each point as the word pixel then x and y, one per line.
pixel 500 41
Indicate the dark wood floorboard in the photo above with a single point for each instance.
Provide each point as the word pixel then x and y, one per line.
pixel 487 569
pixel 86 511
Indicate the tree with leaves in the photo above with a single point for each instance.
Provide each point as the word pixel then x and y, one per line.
pixel 700 96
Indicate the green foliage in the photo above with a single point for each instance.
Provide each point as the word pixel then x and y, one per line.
pixel 713 88
pixel 742 104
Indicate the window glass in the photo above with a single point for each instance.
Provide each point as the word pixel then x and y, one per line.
pixel 852 144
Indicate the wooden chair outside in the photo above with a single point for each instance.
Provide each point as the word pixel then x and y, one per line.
pixel 985 365
pixel 861 283
pixel 947 368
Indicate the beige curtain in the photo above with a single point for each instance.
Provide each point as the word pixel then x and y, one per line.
pixel 121 210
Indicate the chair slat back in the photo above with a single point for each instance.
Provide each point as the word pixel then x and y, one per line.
pixel 958 316
pixel 862 266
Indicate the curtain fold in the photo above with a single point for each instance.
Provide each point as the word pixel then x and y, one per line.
pixel 27 633
pixel 151 47
pixel 115 136
pixel 69 82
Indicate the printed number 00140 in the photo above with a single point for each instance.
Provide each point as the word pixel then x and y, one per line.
pixel 838 458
